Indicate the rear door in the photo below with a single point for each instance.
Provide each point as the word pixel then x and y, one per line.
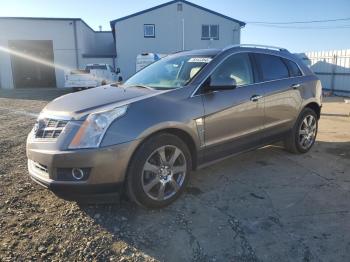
pixel 282 95
pixel 233 118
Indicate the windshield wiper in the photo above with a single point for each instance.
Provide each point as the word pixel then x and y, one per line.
pixel 142 86
pixel 123 86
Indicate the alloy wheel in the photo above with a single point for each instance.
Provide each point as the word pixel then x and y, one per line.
pixel 307 132
pixel 164 172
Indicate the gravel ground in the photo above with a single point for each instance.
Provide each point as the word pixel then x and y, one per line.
pixel 265 205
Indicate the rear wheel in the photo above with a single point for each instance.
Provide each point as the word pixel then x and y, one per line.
pixel 159 171
pixel 303 134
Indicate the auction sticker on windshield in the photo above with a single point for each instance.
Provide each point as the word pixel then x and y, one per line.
pixel 200 60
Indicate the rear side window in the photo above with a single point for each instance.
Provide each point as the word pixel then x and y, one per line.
pixel 293 68
pixel 272 67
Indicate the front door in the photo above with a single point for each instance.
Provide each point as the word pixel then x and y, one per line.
pixel 233 118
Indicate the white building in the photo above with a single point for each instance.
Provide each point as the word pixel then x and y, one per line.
pixel 36 52
pixel 67 43
pixel 170 27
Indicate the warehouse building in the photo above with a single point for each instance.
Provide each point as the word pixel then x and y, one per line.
pixel 38 52
pixel 170 27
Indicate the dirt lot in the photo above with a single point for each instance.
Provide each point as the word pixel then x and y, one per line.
pixel 266 205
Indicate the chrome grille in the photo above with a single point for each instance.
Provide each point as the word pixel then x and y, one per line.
pixel 49 128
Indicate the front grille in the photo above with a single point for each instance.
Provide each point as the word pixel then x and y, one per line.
pixel 48 128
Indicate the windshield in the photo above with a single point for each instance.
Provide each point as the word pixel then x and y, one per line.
pixel 169 72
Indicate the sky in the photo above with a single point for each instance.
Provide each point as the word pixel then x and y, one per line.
pixel 310 37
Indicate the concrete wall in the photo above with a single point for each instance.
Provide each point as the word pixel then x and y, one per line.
pixel 104 42
pixel 94 43
pixel 130 39
pixel 61 32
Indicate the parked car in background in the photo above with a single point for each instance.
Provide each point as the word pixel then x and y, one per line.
pixel 179 114
pixel 93 75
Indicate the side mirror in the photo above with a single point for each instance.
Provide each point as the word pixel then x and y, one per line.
pixel 120 79
pixel 220 84
pixel 117 71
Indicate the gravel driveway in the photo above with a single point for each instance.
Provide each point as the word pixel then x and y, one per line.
pixel 265 205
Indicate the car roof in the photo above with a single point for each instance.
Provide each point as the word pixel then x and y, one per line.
pixel 271 50
pixel 201 52
pixel 242 47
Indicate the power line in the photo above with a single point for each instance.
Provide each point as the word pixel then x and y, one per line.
pixel 301 27
pixel 299 22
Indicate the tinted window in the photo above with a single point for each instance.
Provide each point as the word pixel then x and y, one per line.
pixel 293 68
pixel 272 67
pixel 236 67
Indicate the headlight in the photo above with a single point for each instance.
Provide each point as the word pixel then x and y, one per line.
pixel 91 132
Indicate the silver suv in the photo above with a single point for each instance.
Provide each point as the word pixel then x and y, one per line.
pixel 176 115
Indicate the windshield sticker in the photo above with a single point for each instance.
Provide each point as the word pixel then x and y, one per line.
pixel 200 60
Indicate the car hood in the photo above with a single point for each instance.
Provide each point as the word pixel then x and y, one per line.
pixel 79 104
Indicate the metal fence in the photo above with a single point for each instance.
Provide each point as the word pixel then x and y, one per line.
pixel 333 69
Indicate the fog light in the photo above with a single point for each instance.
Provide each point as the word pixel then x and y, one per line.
pixel 77 173
pixel 73 174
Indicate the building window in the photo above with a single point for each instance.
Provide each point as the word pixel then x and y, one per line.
pixel 210 32
pixel 179 7
pixel 149 31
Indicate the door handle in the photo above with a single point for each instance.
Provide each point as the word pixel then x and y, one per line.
pixel 295 86
pixel 255 98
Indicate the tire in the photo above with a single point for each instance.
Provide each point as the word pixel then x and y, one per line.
pixel 149 173
pixel 303 135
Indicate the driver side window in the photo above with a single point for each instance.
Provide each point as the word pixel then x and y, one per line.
pixel 237 67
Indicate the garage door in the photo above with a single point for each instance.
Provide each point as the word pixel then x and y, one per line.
pixel 29 73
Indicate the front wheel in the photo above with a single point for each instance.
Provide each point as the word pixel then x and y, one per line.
pixel 159 171
pixel 303 134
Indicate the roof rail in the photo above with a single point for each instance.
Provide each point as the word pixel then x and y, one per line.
pixel 258 46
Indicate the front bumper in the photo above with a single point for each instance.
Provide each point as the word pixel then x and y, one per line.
pixel 71 189
pixel 107 167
